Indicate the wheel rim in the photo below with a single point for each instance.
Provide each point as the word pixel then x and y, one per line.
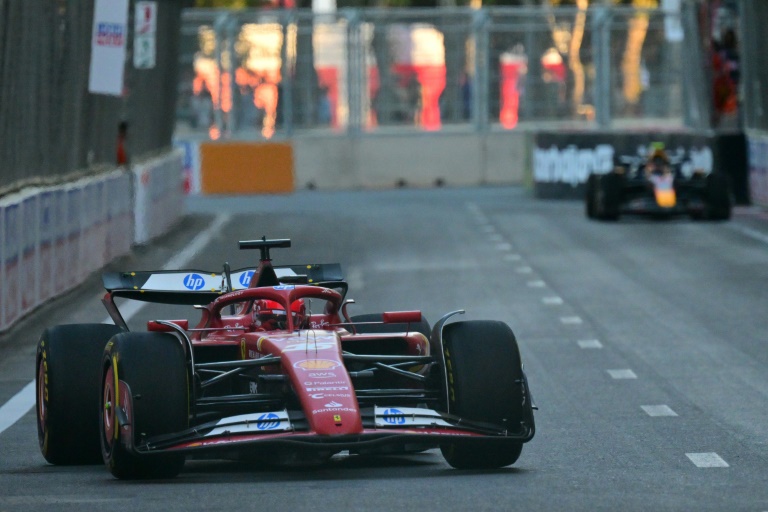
pixel 42 398
pixel 108 409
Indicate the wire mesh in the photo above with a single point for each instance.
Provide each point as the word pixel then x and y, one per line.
pixel 50 125
pixel 375 69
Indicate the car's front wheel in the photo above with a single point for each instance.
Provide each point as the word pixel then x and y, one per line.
pixel 486 384
pixel 145 393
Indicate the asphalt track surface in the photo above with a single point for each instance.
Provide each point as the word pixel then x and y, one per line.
pixel 645 342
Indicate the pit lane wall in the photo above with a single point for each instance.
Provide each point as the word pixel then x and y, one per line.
pixel 563 160
pixel 53 238
pixel 338 162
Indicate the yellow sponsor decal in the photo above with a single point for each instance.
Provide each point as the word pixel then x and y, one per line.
pixel 242 348
pixel 317 364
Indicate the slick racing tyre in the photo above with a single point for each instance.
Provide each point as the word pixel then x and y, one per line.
pixel 717 197
pixel 589 197
pixel 145 393
pixel 608 191
pixel 67 391
pixel 422 327
pixel 486 384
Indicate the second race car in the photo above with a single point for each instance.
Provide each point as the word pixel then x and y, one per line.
pixel 657 185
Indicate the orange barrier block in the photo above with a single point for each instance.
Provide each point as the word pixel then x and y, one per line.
pixel 246 168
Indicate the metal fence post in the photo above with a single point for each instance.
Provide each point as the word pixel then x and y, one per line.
pixel 355 71
pixel 480 90
pixel 601 43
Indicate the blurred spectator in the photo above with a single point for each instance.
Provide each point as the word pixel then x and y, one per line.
pixel 122 139
pixel 726 74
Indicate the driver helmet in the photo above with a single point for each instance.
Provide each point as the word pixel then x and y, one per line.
pixel 271 315
pixel 657 154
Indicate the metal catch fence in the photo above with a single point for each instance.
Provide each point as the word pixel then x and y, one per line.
pixel 262 73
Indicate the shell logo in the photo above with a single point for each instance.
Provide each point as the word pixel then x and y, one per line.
pixel 317 364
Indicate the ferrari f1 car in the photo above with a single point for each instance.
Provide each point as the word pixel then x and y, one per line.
pixel 275 370
pixel 656 185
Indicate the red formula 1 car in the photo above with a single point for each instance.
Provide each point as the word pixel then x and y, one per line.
pixel 275 370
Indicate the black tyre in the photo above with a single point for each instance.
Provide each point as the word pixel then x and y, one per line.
pixel 608 195
pixel 485 384
pixel 589 196
pixel 67 382
pixel 144 380
pixel 422 327
pixel 717 197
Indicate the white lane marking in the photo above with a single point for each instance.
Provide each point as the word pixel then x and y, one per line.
pixel 570 320
pixel 504 247
pixel 17 406
pixel 552 301
pixel 622 374
pixel 13 410
pixel 658 410
pixel 751 233
pixel 488 229
pixel 512 257
pixel 587 344
pixel 496 238
pixel 523 270
pixel 536 284
pixel 707 460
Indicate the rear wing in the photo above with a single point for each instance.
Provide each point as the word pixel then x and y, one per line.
pixel 193 287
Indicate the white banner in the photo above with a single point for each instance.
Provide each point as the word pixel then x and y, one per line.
pixel 144 35
pixel 108 40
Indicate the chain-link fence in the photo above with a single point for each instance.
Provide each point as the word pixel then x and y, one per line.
pixel 51 127
pixel 258 73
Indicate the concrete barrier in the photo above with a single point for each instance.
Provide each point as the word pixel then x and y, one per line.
pixel 329 161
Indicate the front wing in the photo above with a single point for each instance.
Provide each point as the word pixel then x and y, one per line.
pixel 384 427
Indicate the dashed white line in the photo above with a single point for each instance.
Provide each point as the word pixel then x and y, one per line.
pixel 658 410
pixel 504 247
pixel 707 460
pixel 488 229
pixel 512 257
pixel 622 374
pixel 523 270
pixel 752 233
pixel 536 284
pixel 13 410
pixel 552 301
pixel 17 406
pixel 496 238
pixel 588 344
pixel 570 320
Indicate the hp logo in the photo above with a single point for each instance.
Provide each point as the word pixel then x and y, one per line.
pixel 194 282
pixel 394 416
pixel 268 421
pixel 245 278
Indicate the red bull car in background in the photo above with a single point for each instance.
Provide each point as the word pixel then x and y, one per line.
pixel 656 185
pixel 275 370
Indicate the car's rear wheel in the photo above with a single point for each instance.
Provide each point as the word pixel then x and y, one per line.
pixel 145 393
pixel 67 390
pixel 589 197
pixel 486 385
pixel 365 328
pixel 608 190
pixel 717 197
